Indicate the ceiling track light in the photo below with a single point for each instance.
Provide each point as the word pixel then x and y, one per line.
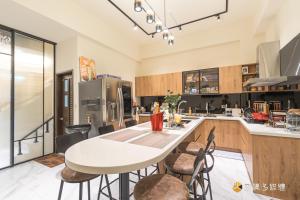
pixel 171 40
pixel 165 34
pixel 218 18
pixel 180 28
pixel 138 5
pixel 135 27
pixel 158 27
pixel 150 17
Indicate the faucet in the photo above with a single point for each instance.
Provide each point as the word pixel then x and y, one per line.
pixel 207 108
pixel 181 102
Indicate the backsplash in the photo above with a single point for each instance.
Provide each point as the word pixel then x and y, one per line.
pixel 198 102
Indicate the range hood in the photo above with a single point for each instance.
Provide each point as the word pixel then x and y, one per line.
pixel 268 66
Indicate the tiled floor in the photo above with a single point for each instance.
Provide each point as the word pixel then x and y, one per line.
pixel 33 181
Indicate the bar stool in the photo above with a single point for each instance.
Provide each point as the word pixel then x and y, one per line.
pixel 130 123
pixel 181 164
pixel 70 176
pixel 193 148
pixel 104 130
pixel 166 187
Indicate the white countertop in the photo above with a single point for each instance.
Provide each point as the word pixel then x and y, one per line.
pixel 102 156
pixel 260 129
pixel 255 129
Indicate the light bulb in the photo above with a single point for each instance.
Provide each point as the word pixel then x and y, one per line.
pixel 138 5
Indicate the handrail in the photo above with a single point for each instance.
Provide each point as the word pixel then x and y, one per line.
pixel 46 122
pixel 26 137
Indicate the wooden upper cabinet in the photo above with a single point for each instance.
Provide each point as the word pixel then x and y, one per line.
pixel 230 79
pixel 158 85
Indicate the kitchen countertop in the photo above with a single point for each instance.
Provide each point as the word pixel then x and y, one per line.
pixel 104 155
pixel 255 129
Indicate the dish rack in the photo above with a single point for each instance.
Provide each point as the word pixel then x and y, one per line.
pixel 293 121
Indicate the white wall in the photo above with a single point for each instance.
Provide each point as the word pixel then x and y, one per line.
pixel 221 46
pixel 108 61
pixel 72 15
pixel 285 25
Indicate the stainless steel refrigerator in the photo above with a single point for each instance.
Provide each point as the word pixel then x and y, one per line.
pixel 105 101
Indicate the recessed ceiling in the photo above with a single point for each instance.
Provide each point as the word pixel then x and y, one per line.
pixel 183 10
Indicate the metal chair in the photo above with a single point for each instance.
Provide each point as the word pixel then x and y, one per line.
pixel 105 129
pixel 165 187
pixel 68 175
pixel 180 164
pixel 130 123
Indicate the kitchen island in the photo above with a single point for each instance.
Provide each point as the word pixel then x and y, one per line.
pixel 271 155
pixel 126 150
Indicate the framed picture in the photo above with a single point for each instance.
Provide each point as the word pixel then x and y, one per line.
pixel 87 69
pixel 245 70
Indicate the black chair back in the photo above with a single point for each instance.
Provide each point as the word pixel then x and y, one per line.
pixel 130 123
pixel 197 167
pixel 210 141
pixel 83 128
pixel 63 142
pixel 106 129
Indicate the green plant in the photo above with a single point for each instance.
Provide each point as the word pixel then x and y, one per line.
pixel 172 100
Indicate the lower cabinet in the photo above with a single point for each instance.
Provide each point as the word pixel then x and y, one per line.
pixel 268 159
pixel 227 133
pixel 143 119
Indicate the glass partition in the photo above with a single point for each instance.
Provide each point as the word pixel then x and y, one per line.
pixel 48 97
pixel 28 98
pixel 5 97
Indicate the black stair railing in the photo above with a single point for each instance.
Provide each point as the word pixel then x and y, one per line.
pixel 35 137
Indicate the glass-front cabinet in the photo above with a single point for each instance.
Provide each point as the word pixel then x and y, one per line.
pixel 191 82
pixel 204 81
pixel 209 81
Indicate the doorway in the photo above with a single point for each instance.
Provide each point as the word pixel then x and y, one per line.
pixel 64 101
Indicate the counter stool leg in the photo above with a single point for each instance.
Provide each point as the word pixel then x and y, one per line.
pixel 195 189
pixel 100 187
pixel 108 187
pixel 80 191
pixel 157 167
pixel 139 174
pixel 209 186
pixel 60 189
pixel 89 190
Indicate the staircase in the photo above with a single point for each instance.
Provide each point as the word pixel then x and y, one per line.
pixel 36 143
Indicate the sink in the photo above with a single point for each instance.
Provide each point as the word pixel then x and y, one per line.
pixel 189 117
pixel 185 121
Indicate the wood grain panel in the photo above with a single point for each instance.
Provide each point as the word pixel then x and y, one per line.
pixel 276 160
pixel 158 85
pixel 230 79
pixel 143 119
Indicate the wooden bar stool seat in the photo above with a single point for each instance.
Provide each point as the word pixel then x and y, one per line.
pixel 70 176
pixel 192 148
pixel 161 187
pixel 181 163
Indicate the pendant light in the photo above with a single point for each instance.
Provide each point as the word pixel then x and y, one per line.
pixel 158 27
pixel 171 40
pixel 150 17
pixel 138 5
pixel 165 34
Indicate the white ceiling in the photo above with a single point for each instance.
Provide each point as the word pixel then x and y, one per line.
pixel 16 16
pixel 182 10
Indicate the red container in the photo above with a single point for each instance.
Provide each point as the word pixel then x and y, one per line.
pixel 260 116
pixel 157 121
